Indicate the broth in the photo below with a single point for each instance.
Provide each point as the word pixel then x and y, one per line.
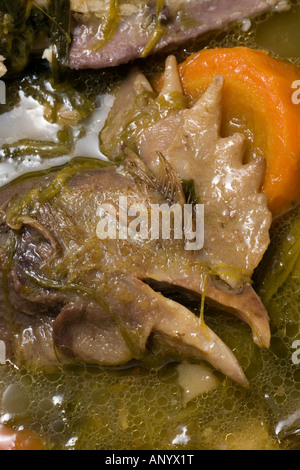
pixel 85 407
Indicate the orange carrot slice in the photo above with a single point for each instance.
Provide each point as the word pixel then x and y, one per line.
pixel 258 100
pixel 19 440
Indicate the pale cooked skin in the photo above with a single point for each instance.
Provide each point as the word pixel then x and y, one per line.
pixel 76 297
pixel 111 319
pixel 237 219
pixel 134 26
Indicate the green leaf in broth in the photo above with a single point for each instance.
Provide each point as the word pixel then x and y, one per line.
pixel 109 24
pixel 28 147
pixel 60 16
pixel 20 24
pixel 157 30
pixel 281 258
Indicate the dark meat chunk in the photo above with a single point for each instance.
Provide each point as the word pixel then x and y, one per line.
pixel 139 31
pixel 74 288
pixel 237 218
pixel 71 296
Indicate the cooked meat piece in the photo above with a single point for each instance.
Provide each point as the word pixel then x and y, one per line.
pixel 105 37
pixel 71 296
pixel 237 219
pixel 72 292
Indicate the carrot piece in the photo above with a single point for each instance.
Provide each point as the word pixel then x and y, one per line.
pixel 258 100
pixel 19 440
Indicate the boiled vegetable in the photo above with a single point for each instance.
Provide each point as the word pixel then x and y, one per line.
pixel 19 440
pixel 59 16
pixel 278 276
pixel 21 22
pixel 109 24
pixel 157 30
pixel 257 101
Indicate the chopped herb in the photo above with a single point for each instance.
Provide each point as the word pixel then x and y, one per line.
pixel 108 26
pixel 59 11
pixel 157 30
pixel 20 24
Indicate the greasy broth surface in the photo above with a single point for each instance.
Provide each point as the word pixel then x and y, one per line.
pixel 90 408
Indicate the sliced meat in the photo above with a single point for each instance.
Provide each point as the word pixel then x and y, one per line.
pixel 73 297
pixel 237 219
pixel 73 293
pixel 245 305
pixel 135 30
pixel 88 333
pixel 95 336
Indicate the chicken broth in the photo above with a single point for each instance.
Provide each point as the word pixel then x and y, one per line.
pixel 186 406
